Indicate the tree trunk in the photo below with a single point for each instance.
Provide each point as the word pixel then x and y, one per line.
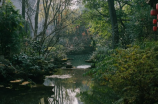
pixel 23 8
pixel 36 18
pixel 3 2
pixel 115 33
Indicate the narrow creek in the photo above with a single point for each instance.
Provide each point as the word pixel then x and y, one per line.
pixel 60 88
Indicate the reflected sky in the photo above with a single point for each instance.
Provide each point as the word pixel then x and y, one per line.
pixel 67 85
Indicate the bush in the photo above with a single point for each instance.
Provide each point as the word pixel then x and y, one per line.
pixel 32 64
pixel 131 73
pixel 135 75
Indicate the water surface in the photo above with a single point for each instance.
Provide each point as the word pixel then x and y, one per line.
pixel 79 60
pixel 68 83
pixel 60 88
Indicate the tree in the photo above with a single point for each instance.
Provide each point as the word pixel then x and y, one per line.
pixel 101 11
pixel 36 18
pixel 113 17
pixel 129 72
pixel 47 19
pixel 10 24
pixel 23 8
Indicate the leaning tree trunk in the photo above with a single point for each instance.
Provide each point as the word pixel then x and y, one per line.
pixel 115 33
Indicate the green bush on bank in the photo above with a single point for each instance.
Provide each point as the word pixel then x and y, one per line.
pixel 31 64
pixel 132 73
pixel 135 76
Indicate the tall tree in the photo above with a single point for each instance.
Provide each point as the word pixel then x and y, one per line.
pixel 36 18
pixel 100 12
pixel 23 8
pixel 113 17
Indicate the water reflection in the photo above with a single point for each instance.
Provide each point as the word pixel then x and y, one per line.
pixel 37 94
pixel 61 88
pixel 66 86
pixel 59 76
pixel 56 89
pixel 84 66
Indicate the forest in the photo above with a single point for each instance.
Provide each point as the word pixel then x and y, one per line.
pixel 120 36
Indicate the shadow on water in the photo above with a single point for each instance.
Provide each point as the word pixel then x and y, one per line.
pixel 25 96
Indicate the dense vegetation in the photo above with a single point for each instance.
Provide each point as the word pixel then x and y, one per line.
pixel 33 47
pixel 23 56
pixel 126 74
pixel 119 32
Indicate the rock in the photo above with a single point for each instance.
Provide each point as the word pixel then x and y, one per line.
pixel 15 83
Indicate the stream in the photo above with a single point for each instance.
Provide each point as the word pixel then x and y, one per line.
pixel 60 88
pixel 68 83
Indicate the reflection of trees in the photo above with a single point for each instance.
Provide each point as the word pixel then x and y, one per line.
pixel 66 89
pixel 98 95
pixel 62 95
pixel 57 98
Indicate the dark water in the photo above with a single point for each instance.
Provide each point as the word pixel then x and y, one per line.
pixel 61 88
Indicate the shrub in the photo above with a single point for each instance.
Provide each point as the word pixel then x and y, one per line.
pixel 135 75
pixel 131 73
pixel 32 64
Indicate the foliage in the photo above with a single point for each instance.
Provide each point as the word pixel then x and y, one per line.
pixel 131 73
pixel 54 23
pixel 10 24
pixel 99 54
pixel 96 15
pixel 2 70
pixel 75 37
pixel 34 57
pixel 136 74
pixel 99 95
pixel 57 52
pixel 137 25
pixel 134 21
pixel 31 64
